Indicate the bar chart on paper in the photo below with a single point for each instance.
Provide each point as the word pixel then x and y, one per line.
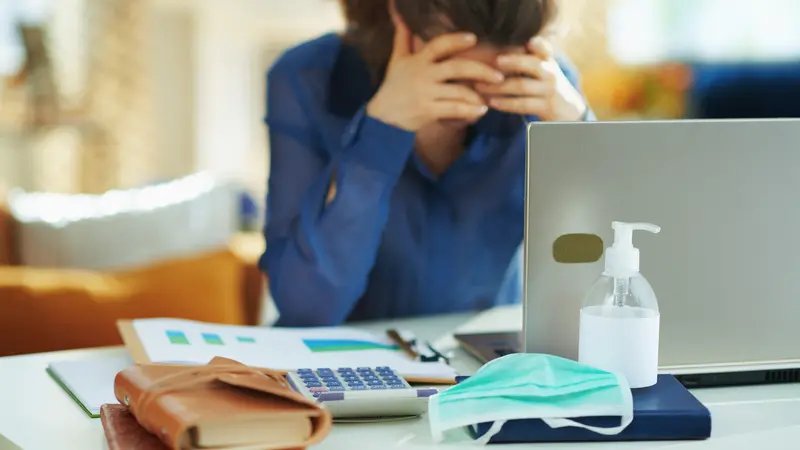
pixel 177 337
pixel 189 342
pixel 345 345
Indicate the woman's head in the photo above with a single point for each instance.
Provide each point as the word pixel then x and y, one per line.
pixel 496 23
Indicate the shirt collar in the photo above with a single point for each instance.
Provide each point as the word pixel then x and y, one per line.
pixel 351 82
pixel 497 124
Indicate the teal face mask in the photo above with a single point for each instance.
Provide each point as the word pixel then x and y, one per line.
pixel 531 386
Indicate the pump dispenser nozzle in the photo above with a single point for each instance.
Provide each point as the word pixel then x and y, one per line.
pixel 622 258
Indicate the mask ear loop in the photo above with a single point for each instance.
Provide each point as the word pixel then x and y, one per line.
pixel 561 423
pixel 626 416
pixel 438 433
pixel 490 433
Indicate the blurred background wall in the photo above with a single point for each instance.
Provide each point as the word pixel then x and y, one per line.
pixel 107 94
pixel 104 94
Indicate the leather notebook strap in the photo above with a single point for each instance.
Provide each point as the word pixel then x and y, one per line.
pixel 193 377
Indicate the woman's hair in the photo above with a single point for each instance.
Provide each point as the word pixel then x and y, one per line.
pixel 503 23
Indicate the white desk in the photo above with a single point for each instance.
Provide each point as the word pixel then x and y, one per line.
pixel 35 413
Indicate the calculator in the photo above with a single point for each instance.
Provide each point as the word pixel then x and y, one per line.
pixel 361 393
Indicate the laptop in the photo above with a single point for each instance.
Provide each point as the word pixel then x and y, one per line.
pixel 725 266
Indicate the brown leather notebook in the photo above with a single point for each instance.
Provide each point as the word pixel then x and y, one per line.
pixel 123 432
pixel 222 405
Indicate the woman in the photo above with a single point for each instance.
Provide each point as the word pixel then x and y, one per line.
pixel 397 158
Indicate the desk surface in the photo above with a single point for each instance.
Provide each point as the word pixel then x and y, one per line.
pixel 36 414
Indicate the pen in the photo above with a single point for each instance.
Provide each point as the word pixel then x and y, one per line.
pixel 394 335
pixel 411 339
pixel 426 354
pixel 371 395
pixel 438 355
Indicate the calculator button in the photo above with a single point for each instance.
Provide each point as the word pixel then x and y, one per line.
pixel 303 371
pixel 358 388
pixel 369 377
pixel 333 384
pixel 313 384
pixel 396 386
pixel 351 379
pixel 325 372
pixel 318 389
pixel 390 377
pixel 336 389
pixel 378 387
pixel 326 379
pixel 364 369
pixel 384 368
pixel 375 383
pixel 345 370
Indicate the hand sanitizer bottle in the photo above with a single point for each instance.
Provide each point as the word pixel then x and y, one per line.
pixel 619 320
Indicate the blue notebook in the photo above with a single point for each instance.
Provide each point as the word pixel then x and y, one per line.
pixel 666 411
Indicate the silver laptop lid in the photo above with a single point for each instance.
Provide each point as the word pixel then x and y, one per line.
pixel 725 265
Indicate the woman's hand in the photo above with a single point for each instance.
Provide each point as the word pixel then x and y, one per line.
pixel 418 88
pixel 539 88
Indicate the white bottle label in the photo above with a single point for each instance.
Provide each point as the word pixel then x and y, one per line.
pixel 622 340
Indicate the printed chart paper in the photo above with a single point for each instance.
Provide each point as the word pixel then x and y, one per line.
pixel 188 342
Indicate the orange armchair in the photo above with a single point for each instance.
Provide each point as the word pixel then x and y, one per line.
pixel 54 309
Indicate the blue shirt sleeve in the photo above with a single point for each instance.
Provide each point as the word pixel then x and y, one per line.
pixel 319 254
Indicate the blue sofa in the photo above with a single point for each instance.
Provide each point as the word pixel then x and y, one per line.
pixel 739 91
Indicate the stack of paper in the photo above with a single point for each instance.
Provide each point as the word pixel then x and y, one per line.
pixel 188 342
pixel 6 444
pixel 90 382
